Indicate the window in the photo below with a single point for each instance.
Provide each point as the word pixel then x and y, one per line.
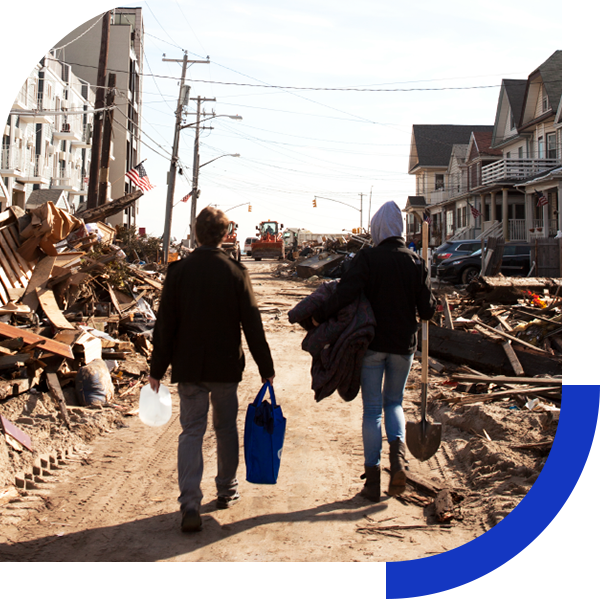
pixel 551 145
pixel 544 103
pixel 439 182
pixel 508 155
pixel 540 147
pixel 520 152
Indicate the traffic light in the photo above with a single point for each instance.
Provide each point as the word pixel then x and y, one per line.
pixel 315 203
pixel 249 207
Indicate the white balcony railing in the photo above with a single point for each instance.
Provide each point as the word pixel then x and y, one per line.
pixel 515 169
pixel 11 158
pixel 437 196
pixel 36 170
pixel 64 178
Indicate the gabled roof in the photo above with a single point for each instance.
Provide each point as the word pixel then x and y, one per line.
pixel 431 145
pixel 416 201
pixel 510 101
pixel 548 74
pixel 481 145
pixel 59 197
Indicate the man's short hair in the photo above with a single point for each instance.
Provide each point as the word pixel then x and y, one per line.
pixel 211 226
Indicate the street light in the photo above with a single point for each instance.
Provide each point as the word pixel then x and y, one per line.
pixel 235 117
pixel 195 193
pixel 173 170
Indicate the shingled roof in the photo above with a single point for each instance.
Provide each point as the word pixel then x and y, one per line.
pixel 515 91
pixel 551 72
pixel 432 144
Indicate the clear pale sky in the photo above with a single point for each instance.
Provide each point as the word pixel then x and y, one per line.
pixel 297 143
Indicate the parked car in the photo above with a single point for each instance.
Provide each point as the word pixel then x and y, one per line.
pixel 248 245
pixel 450 249
pixel 516 261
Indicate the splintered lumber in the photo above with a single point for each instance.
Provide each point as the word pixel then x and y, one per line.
pixel 476 351
pixel 39 278
pixel 140 276
pixel 447 314
pixel 50 345
pixel 51 309
pixel 16 433
pixel 92 215
pixel 422 485
pixel 507 380
pixel 505 290
pixel 510 352
pixel 56 392
pixel 444 506
pixel 507 336
pixel 483 397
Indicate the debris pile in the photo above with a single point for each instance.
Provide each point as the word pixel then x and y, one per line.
pixel 77 309
pixel 327 259
pixel 495 385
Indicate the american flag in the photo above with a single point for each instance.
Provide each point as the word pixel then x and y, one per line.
pixel 187 197
pixel 427 218
pixel 474 210
pixel 138 176
pixel 542 200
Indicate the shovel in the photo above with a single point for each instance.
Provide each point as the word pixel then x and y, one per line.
pixel 424 438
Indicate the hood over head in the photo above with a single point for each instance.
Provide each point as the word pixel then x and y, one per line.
pixel 387 222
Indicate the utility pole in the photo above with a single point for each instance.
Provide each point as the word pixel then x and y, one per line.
pixel 106 140
pixel 99 114
pixel 195 190
pixel 183 90
pixel 361 211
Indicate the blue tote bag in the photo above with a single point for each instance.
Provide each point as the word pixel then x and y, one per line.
pixel 264 433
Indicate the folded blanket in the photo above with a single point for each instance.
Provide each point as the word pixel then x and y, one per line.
pixel 337 346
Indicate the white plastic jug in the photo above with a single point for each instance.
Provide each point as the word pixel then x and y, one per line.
pixel 155 408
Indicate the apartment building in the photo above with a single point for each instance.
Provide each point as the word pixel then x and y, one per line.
pixel 125 59
pixel 47 137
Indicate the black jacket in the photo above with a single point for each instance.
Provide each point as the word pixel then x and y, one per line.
pixel 205 299
pixel 396 283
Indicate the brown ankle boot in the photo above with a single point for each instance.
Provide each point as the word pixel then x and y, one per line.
pixel 372 488
pixel 398 468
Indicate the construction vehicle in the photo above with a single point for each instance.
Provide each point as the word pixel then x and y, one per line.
pixel 270 241
pixel 231 244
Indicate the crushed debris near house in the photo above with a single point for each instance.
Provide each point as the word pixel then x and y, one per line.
pixel 495 364
pixel 75 331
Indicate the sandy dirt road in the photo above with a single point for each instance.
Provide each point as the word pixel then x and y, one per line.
pixel 117 500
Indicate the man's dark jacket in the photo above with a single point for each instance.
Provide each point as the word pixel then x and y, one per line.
pixel 396 283
pixel 205 298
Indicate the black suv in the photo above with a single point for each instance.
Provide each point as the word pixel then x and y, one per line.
pixel 516 261
pixel 451 249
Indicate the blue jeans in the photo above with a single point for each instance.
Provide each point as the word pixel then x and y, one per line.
pixel 388 403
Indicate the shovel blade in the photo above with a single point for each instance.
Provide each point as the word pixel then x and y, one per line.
pixel 423 438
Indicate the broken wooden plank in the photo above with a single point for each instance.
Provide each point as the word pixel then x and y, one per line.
pixel 25 267
pixel 51 309
pixel 56 392
pixel 510 352
pixel 510 289
pixel 21 277
pixel 7 362
pixel 443 506
pixel 476 351
pixel 114 299
pixel 16 433
pixel 484 397
pixel 507 336
pixel 92 215
pixel 507 380
pixel 40 276
pixel 447 314
pixel 50 345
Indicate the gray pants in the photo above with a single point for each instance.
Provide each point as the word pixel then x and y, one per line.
pixel 194 402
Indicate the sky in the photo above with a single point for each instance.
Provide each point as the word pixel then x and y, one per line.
pixel 295 144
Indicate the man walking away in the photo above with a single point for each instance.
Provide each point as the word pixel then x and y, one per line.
pixel 205 299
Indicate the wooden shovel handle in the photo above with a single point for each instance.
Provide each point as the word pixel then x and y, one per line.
pixel 425 323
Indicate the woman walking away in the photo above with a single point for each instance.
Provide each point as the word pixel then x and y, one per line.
pixel 396 283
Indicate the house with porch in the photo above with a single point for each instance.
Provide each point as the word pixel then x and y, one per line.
pixel 509 172
pixel 528 132
pixel 431 150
